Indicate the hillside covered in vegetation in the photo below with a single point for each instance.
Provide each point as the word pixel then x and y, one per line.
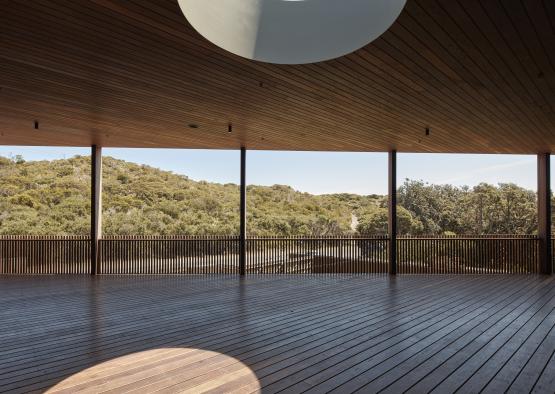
pixel 53 198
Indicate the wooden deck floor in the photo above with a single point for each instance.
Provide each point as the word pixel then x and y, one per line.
pixel 294 334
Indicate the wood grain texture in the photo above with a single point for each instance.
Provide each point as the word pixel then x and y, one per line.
pixel 301 333
pixel 133 73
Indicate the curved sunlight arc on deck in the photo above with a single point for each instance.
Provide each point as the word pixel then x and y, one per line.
pixel 175 370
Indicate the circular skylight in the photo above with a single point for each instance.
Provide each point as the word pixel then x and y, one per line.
pixel 291 31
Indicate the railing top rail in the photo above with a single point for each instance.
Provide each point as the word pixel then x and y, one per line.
pixel 45 237
pixel 203 237
pixel 300 238
pixel 470 235
pixel 468 239
pixel 167 237
pixel 284 238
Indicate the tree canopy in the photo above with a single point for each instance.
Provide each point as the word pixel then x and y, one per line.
pixel 53 198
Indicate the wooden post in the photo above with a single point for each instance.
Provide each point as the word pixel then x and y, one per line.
pixel 243 216
pixel 544 214
pixel 392 217
pixel 96 205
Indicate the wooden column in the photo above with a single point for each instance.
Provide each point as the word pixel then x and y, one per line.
pixel 392 217
pixel 96 205
pixel 243 216
pixel 544 214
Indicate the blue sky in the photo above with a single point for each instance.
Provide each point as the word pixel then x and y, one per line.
pixel 316 172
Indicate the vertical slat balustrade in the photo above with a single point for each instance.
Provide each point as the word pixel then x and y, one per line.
pixel 316 255
pixel 24 254
pixel 173 255
pixel 553 253
pixel 491 254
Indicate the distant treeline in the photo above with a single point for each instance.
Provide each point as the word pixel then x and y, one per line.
pixel 53 198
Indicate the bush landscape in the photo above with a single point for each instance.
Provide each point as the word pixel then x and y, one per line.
pixel 53 198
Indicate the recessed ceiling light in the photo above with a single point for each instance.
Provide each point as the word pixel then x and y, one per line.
pixel 291 31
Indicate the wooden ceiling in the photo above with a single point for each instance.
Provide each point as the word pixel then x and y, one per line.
pixel 133 73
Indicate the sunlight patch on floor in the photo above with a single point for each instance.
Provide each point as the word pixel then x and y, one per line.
pixel 171 370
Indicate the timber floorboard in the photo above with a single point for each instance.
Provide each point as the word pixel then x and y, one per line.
pixel 270 334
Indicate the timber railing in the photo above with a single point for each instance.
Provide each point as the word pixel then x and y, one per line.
pixel 317 255
pixel 491 254
pixel 220 255
pixel 25 254
pixel 471 254
pixel 169 255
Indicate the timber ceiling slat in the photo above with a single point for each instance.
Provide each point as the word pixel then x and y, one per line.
pixel 471 75
pixel 401 128
pixel 538 91
pixel 497 77
pixel 112 82
pixel 414 106
pixel 120 96
pixel 437 86
pixel 544 40
pixel 460 78
pixel 331 108
pixel 134 73
pixel 537 59
pixel 498 51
